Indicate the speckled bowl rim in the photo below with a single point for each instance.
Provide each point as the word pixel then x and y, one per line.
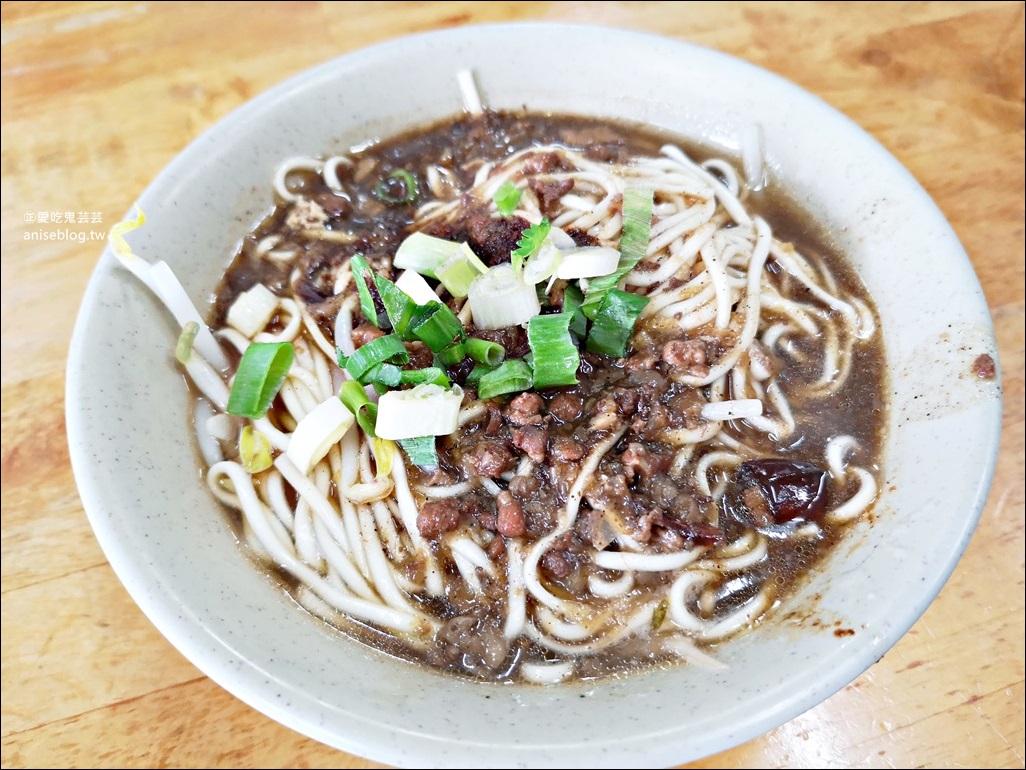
pixel 396 718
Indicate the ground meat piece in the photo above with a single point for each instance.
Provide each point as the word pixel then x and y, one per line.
pixel 532 441
pixel 496 548
pixel 364 334
pixel 550 191
pixel 641 362
pixel 607 414
pixel 626 400
pixel 306 215
pixel 438 517
pixel 335 206
pixel 685 408
pixel 640 461
pixel 581 237
pixel 566 407
pixel 567 449
pixel 666 540
pixel 610 152
pixel 524 409
pixel 689 355
pixel 524 486
pixel 610 492
pixel 984 367
pixel 493 421
pixel 489 458
pixel 557 564
pixel 475 644
pixel 510 516
pixel 421 355
pixel 494 239
pixel 651 421
pixel 486 519
pixel 327 309
pixel 543 163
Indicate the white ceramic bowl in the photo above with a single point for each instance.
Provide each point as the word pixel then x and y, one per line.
pixel 136 468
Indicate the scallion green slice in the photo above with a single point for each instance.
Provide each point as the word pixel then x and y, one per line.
pixel 485 352
pixel 431 374
pixel 437 326
pixel 573 299
pixel 460 271
pixel 361 272
pixel 388 349
pixel 260 375
pixel 451 355
pixel 398 305
pixel 410 189
pixel 421 451
pixel 389 375
pixel 614 322
pixel 479 371
pixel 512 376
pixel 507 197
pixel 637 228
pixel 355 399
pixel 555 356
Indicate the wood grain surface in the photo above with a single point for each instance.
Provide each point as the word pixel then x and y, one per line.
pixel 98 97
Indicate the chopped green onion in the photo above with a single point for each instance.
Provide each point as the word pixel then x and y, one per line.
pixel 485 352
pixel 637 228
pixel 398 305
pixel 355 399
pixel 512 376
pixel 421 451
pixel 361 270
pixel 614 322
pixel 555 355
pixel 529 244
pixel 507 197
pixel 460 271
pixel 388 349
pixel 479 371
pixel 451 355
pixel 432 374
pixel 499 299
pixel 254 450
pixel 573 298
pixel 409 187
pixel 260 375
pixel 389 375
pixel 183 350
pixel 437 326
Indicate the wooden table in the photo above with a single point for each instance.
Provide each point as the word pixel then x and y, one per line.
pixel 98 97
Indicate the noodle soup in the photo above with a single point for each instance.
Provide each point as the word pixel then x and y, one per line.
pixel 639 505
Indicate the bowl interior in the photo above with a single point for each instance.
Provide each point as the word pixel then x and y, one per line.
pixel 139 477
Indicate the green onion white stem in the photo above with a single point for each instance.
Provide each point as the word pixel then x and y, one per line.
pixel 499 299
pixel 426 410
